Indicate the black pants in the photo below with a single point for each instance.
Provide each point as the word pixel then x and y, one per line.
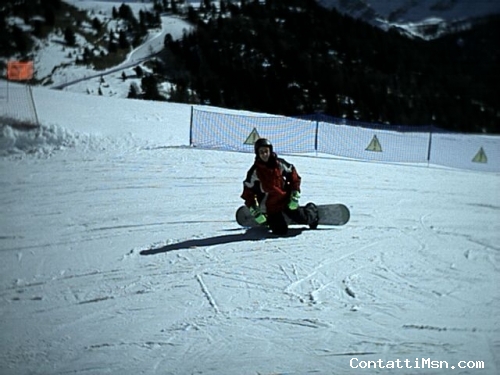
pixel 277 222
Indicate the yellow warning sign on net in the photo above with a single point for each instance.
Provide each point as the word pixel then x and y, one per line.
pixel 252 138
pixel 374 145
pixel 480 157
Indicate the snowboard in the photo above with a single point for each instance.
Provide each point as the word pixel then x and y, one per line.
pixel 329 214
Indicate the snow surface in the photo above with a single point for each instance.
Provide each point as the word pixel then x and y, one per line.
pixel 120 255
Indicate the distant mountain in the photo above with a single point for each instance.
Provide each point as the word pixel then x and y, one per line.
pixel 427 19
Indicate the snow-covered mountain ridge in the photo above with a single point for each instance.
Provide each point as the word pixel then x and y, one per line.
pixel 427 19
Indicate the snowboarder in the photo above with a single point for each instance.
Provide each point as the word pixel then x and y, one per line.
pixel 272 189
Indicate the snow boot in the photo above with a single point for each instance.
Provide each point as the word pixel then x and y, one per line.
pixel 311 211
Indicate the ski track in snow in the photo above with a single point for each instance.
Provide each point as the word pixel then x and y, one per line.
pixel 124 266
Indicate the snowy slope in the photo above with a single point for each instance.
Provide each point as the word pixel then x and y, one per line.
pixel 55 62
pixel 120 255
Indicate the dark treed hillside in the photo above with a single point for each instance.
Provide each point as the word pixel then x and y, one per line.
pixel 295 57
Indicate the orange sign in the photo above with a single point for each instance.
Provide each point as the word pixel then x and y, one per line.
pixel 19 71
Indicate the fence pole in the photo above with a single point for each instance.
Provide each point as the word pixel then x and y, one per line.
pixel 30 91
pixel 191 127
pixel 316 138
pixel 429 147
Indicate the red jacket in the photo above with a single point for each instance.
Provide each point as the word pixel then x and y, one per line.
pixel 270 184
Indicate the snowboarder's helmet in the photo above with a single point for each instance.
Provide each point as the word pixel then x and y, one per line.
pixel 262 142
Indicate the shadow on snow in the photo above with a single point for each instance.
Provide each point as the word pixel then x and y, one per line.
pixel 252 234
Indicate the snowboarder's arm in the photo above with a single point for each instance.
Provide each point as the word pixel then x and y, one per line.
pixel 290 174
pixel 251 188
pixel 248 196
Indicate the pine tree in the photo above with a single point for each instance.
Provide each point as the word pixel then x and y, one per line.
pixel 69 36
pixel 133 92
pixel 150 88
pixel 123 43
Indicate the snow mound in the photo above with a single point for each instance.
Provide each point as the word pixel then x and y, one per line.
pixel 18 140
